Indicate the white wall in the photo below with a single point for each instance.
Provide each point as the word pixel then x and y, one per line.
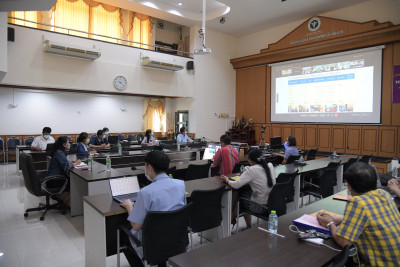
pixel 380 10
pixel 28 65
pixel 3 44
pixel 67 112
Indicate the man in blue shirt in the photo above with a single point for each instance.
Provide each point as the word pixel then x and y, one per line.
pixel 182 138
pixel 99 141
pixel 163 194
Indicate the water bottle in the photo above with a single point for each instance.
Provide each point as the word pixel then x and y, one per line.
pixel 90 162
pixel 108 163
pixel 119 149
pixel 394 172
pixel 178 147
pixel 301 159
pixel 334 154
pixel 273 222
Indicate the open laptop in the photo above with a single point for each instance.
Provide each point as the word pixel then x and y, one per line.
pixel 211 149
pixel 124 188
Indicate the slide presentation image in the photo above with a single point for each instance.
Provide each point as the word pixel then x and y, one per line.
pixel 306 70
pixel 316 108
pixel 293 108
pixel 331 108
pixel 346 108
pixel 304 108
pixel 318 68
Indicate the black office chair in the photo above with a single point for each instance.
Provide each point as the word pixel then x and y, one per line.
pixel 276 201
pixel 215 171
pixel 11 146
pixel 311 154
pixel 163 138
pixel 289 190
pixel 340 259
pixel 197 171
pixel 292 159
pixel 206 211
pixel 139 138
pixel 73 148
pixel 365 159
pixel 275 160
pixel 28 140
pixel 321 186
pixel 239 166
pixel 121 137
pixel 164 235
pixel 38 184
pixel 349 163
pixel 2 150
pixel 131 137
pixel 171 171
pixel 167 142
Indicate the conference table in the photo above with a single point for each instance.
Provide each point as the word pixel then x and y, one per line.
pixel 254 247
pixel 103 215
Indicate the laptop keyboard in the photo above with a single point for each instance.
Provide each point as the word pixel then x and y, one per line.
pixel 132 197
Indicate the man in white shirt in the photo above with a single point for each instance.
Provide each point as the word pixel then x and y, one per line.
pixel 40 142
pixel 182 138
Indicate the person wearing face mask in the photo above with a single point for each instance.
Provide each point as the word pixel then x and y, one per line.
pixel 182 138
pixel 59 164
pixel 99 141
pixel 149 139
pixel 82 148
pixel 163 194
pixel 106 133
pixel 40 142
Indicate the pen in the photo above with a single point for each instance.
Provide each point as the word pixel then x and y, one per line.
pixel 101 171
pixel 265 230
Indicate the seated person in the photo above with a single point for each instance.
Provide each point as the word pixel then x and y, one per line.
pixel 163 194
pixel 371 220
pixel 106 133
pixel 40 142
pixel 260 176
pixel 149 139
pixel 226 157
pixel 182 138
pixel 82 148
pixel 291 151
pixel 59 164
pixel 99 141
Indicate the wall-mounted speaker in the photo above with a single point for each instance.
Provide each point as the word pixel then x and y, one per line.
pixel 190 65
pixel 10 34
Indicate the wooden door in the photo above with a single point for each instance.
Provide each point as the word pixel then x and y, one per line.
pixel 298 132
pixel 387 141
pixel 338 138
pixel 369 140
pixel 324 137
pixel 353 139
pixel 311 137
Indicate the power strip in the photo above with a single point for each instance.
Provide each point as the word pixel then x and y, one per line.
pixel 317 241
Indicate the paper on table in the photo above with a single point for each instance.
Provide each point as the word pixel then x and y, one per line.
pixel 235 178
pixel 81 165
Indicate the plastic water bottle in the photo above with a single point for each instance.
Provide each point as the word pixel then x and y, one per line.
pixel 90 162
pixel 273 222
pixel 178 147
pixel 108 163
pixel 334 154
pixel 119 149
pixel 394 172
pixel 301 159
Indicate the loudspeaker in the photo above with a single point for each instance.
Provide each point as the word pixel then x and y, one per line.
pixel 10 34
pixel 190 65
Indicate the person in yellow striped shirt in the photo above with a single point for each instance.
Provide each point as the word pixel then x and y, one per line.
pixel 371 220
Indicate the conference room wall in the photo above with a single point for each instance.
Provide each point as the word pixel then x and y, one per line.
pixel 28 65
pixel 380 10
pixel 68 112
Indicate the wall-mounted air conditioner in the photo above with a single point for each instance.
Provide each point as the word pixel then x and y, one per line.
pixel 153 64
pixel 69 51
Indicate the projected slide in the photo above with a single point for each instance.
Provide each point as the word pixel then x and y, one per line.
pixel 341 88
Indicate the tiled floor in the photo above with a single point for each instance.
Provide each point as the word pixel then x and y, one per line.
pixel 56 241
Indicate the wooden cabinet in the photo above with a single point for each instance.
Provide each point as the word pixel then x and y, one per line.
pixel 298 132
pixel 287 130
pixel 324 137
pixel 380 167
pixel 387 141
pixel 251 94
pixel 311 137
pixel 338 138
pixel 353 139
pixel 276 130
pixel 369 140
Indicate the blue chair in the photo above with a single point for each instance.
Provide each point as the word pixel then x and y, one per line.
pixel 11 146
pixel 28 141
pixel 121 137
pixel 131 137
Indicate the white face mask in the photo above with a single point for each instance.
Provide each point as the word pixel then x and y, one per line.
pixel 87 141
pixel 46 136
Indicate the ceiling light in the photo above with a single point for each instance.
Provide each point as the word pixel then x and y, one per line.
pixel 180 4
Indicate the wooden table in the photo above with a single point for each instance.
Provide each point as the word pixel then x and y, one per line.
pixel 256 248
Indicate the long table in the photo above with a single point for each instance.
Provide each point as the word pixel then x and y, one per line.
pixel 103 215
pixel 254 247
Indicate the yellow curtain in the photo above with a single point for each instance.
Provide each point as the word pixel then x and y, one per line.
pixel 71 15
pixel 105 23
pixel 153 113
pixel 26 15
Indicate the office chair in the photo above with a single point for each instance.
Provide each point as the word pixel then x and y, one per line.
pixel 275 160
pixel 206 211
pixel 121 137
pixel 276 201
pixel 139 138
pixel 11 146
pixel 311 154
pixel 163 138
pixel 167 142
pixel 38 184
pixel 2 150
pixel 340 259
pixel 239 166
pixel 365 159
pixel 289 190
pixel 215 171
pixel 292 159
pixel 164 235
pixel 69 138
pixel 28 140
pixel 171 171
pixel 131 137
pixel 195 171
pixel 73 148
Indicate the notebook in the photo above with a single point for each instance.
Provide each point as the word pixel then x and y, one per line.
pixel 124 188
pixel 311 222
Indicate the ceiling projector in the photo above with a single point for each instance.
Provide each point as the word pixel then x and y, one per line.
pixel 202 51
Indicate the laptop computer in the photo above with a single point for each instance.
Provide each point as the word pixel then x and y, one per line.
pixel 211 149
pixel 124 188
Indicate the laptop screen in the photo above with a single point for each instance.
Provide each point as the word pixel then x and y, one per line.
pixel 123 186
pixel 211 149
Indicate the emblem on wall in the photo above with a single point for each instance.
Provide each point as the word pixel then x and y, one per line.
pixel 314 24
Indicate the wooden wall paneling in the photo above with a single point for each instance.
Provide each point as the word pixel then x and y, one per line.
pixel 268 95
pixel 387 141
pixel 369 140
pixel 311 137
pixel 338 142
pixel 396 106
pixel 324 137
pixel 298 132
pixel 387 81
pixel 240 89
pixel 287 130
pixel 257 131
pixel 276 130
pixel 353 139
pixel 380 167
pixel 267 134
